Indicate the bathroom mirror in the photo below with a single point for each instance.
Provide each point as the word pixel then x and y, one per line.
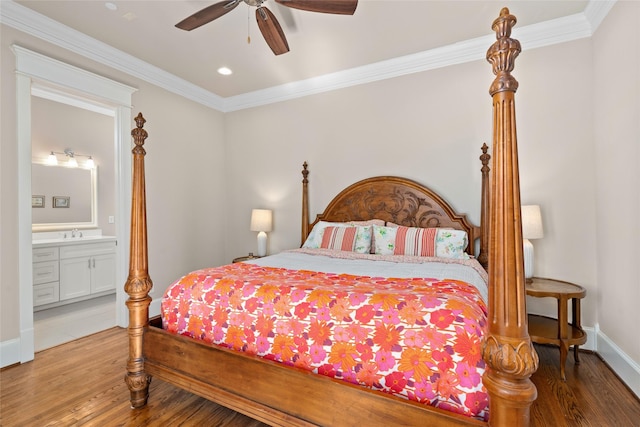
pixel 63 197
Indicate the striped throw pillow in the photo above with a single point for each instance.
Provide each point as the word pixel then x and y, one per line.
pixel 415 241
pixel 339 238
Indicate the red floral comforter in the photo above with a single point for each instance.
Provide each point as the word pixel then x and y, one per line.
pixel 416 338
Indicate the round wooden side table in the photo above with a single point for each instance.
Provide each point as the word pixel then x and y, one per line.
pixel 561 331
pixel 246 257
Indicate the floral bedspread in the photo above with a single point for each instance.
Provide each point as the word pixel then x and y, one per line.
pixel 416 338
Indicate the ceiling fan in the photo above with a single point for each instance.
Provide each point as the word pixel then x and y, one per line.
pixel 267 22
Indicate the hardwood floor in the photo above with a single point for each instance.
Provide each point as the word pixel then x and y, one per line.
pixel 59 389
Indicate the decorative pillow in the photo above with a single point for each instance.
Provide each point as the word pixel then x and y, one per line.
pixel 439 242
pixel 451 243
pixel 415 241
pixel 339 238
pixel 363 236
pixel 384 239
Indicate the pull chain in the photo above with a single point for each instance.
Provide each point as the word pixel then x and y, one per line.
pixel 248 25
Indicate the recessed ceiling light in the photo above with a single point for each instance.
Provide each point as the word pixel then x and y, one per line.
pixel 225 71
pixel 111 6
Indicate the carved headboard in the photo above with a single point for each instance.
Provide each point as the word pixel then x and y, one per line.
pixel 398 200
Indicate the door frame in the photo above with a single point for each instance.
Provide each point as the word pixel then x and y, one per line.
pixel 35 69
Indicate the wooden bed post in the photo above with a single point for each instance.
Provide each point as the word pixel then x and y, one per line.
pixel 138 283
pixel 305 204
pixel 508 352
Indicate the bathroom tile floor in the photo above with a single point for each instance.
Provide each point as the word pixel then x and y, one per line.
pixel 59 325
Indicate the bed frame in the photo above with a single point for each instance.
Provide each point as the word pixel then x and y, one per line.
pixel 286 396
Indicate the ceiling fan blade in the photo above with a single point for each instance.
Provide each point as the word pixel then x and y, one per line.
pixel 271 31
pixel 207 14
pixel 339 7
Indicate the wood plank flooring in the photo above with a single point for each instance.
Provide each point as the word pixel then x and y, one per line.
pixel 60 389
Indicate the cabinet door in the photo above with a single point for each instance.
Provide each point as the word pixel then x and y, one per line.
pixel 103 273
pixel 75 277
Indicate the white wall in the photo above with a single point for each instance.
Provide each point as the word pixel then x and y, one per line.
pixel 617 150
pixel 392 127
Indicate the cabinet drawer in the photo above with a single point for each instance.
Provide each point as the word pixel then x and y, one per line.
pixel 45 254
pixel 46 293
pixel 88 249
pixel 44 272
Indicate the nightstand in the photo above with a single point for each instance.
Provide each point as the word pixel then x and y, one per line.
pixel 560 331
pixel 246 257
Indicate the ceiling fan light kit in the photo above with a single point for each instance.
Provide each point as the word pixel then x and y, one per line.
pixel 267 22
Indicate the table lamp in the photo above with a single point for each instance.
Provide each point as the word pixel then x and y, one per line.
pixel 261 221
pixel 531 229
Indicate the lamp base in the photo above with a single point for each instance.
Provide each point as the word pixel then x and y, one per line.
pixel 262 243
pixel 528 260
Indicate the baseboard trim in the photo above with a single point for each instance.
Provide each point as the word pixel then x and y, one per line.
pixel 625 368
pixel 592 339
pixel 9 352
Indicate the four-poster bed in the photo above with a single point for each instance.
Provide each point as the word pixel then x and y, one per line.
pixel 282 394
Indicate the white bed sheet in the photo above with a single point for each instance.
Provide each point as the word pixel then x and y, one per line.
pixel 379 266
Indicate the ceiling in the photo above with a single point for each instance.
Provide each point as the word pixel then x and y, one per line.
pixel 320 44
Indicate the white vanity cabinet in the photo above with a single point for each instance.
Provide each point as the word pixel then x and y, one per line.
pixel 87 269
pixel 73 271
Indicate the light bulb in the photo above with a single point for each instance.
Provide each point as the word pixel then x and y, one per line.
pixel 72 162
pixel 90 164
pixel 52 159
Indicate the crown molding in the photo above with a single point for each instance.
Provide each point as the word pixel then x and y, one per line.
pixel 547 33
pixel 35 24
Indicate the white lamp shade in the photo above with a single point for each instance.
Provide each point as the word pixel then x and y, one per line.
pixel 72 162
pixel 261 220
pixel 52 159
pixel 532 222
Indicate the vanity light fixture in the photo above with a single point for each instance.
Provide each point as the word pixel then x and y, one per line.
pixel 52 159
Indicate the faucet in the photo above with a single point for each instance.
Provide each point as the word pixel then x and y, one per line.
pixel 73 232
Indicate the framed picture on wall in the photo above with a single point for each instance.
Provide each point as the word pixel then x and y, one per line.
pixel 37 201
pixel 61 201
